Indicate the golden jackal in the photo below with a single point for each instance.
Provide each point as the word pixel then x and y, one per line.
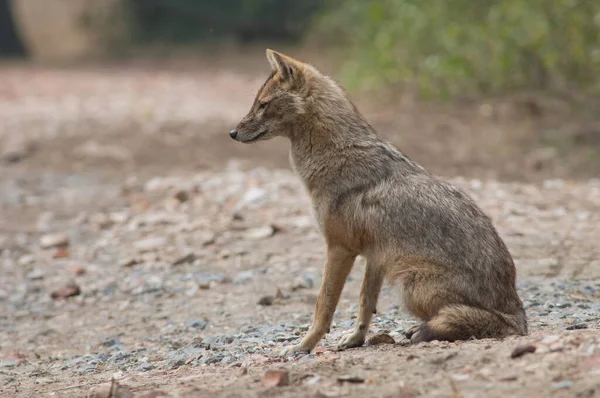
pixel 369 199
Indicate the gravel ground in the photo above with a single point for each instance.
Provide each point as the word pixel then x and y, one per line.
pixel 169 280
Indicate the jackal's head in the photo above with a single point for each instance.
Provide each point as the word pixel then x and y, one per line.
pixel 279 102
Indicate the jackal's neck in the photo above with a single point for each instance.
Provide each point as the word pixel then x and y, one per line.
pixel 328 141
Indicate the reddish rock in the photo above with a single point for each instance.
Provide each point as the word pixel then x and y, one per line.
pixel 276 378
pixel 69 290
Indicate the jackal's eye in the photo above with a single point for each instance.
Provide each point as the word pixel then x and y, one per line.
pixel 262 105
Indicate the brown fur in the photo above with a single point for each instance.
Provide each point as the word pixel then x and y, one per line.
pixel 370 199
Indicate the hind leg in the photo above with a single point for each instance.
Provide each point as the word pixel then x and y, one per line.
pixel 369 294
pixel 428 290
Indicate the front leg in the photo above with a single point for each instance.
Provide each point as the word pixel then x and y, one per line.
pixel 337 267
pixel 369 294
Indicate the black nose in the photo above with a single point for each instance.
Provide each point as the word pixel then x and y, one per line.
pixel 233 133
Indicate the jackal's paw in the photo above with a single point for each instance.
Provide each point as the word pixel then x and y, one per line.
pixel 410 332
pixel 293 349
pixel 414 333
pixel 351 340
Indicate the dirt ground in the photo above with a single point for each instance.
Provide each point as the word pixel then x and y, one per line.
pixel 140 244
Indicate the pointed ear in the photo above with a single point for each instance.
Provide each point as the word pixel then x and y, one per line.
pixel 289 69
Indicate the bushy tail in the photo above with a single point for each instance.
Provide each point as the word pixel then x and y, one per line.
pixel 462 322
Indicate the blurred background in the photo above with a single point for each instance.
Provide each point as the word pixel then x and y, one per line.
pixel 497 88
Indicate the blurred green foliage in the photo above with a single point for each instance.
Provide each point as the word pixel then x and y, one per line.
pixel 177 21
pixel 449 47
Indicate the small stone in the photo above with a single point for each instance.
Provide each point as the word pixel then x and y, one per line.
pixel 380 338
pixel 129 262
pixel 237 216
pixel 276 378
pixel 150 244
pixel 69 290
pixel 13 358
pixel 260 232
pixel 185 259
pixel 61 252
pixel 522 349
pixel 16 150
pixel 303 222
pixel 253 195
pixel 561 385
pixel 119 217
pixel 311 381
pixel 196 324
pixel 101 220
pixel 577 326
pixel 35 274
pixel 76 269
pixel 304 282
pixel 266 300
pixel 208 278
pixel 461 377
pixel 146 367
pixel 350 379
pixel 206 238
pixel 8 363
pixel 54 240
pixel 242 371
pixel 243 277
pixel 27 259
pixel 182 196
pixel 112 342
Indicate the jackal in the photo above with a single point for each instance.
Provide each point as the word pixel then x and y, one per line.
pixel 369 199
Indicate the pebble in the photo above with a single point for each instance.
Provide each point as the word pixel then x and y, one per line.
pixel 196 324
pixel 243 277
pixel 149 244
pixel 380 338
pixel 275 378
pixel 259 233
pixel 54 240
pixel 303 282
pixel 61 252
pixel 69 290
pixel 252 196
pixel 266 300
pixel 76 270
pixel 182 196
pixel 561 385
pixel 522 349
pixel 146 367
pixel 128 262
pixel 577 326
pixel 350 379
pixel 207 278
pixel 27 259
pixel 185 259
pixel 35 274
